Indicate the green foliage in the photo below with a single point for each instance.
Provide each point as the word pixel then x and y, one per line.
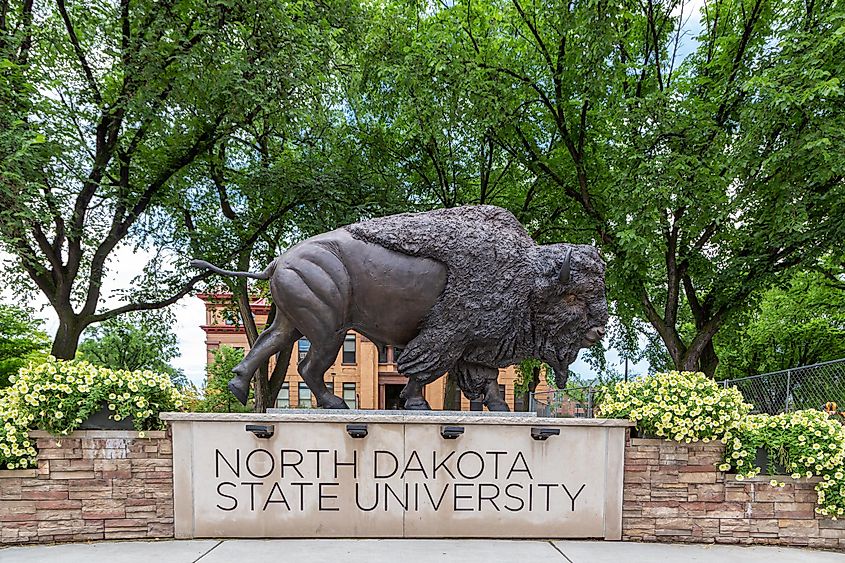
pixel 60 394
pixel 22 341
pixel 113 120
pixel 800 323
pixel 528 374
pixel 688 407
pixel 136 341
pixel 216 395
pixel 17 451
pixel 705 170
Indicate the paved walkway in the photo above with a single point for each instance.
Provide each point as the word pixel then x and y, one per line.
pixel 406 551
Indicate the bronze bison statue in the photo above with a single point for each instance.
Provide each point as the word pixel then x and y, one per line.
pixel 464 290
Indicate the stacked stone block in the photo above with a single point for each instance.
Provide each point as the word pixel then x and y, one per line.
pixel 102 485
pixel 90 485
pixel 675 493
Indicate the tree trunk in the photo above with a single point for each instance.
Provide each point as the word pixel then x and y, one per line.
pixel 451 394
pixel 277 378
pixel 709 361
pixel 704 360
pixel 67 338
pixel 261 380
pixel 261 385
pixel 524 401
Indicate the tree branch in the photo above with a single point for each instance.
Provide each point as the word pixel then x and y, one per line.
pixel 80 55
pixel 120 226
pixel 150 305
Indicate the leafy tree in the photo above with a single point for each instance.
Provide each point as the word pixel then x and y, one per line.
pixel 22 340
pixel 832 267
pixel 419 121
pixel 135 341
pixel 800 323
pixel 217 397
pixel 110 109
pixel 705 178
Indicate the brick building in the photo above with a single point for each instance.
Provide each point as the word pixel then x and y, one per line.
pixel 364 374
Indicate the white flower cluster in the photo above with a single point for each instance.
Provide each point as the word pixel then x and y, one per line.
pixel 16 449
pixel 808 443
pixel 58 395
pixel 682 406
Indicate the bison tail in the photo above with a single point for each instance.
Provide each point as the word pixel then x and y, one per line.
pixel 264 275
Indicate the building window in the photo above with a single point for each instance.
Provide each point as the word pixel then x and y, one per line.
pixel 304 396
pixel 330 386
pixel 349 395
pixel 303 345
pixel 349 349
pixel 382 353
pixel 502 391
pixel 283 401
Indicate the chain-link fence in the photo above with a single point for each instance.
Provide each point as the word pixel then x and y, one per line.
pixel 806 387
pixel 572 402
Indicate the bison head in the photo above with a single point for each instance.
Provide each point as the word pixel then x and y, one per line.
pixel 569 308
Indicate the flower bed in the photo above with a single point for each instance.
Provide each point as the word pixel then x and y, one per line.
pixel 682 406
pixel 57 396
pixel 806 443
pixel 688 407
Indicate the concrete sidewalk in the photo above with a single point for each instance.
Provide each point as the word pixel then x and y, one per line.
pixel 406 551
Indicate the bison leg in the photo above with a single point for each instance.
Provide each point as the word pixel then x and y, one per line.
pixel 412 393
pixel 274 338
pixel 480 382
pixel 493 399
pixel 319 358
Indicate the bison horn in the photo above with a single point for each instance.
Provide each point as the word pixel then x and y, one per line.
pixel 563 276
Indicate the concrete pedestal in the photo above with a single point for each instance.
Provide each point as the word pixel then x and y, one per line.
pixel 362 474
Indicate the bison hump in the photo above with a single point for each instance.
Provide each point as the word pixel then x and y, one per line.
pixel 450 235
pixel 490 270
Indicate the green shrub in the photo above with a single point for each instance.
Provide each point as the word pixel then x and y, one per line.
pixel 17 451
pixel 216 394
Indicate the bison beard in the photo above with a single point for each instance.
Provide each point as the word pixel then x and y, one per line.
pixel 503 301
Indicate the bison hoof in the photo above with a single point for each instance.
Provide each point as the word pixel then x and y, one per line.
pixel 417 404
pixel 497 406
pixel 239 389
pixel 334 402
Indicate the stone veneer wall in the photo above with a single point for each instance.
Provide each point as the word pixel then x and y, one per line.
pixel 90 485
pixel 94 485
pixel 674 493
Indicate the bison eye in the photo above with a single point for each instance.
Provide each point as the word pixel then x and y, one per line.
pixel 569 299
